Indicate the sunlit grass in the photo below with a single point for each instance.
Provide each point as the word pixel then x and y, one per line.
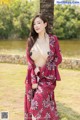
pixel 12 89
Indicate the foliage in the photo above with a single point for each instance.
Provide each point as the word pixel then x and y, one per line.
pixel 5 1
pixel 16 17
pixel 67 21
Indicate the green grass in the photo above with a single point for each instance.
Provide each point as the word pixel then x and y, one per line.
pixel 67 92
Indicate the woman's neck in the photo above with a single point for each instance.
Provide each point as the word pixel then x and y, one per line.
pixel 42 36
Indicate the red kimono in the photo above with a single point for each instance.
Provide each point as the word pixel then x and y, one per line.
pixel 41 102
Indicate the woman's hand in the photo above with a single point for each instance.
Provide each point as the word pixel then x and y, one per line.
pixel 34 86
pixel 36 70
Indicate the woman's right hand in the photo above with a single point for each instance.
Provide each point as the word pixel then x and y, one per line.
pixel 36 70
pixel 34 86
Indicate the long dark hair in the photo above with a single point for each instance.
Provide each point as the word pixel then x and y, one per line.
pixel 33 35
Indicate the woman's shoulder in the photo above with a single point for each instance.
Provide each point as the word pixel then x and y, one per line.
pixel 53 37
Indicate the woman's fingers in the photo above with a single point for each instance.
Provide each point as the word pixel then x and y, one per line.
pixel 34 86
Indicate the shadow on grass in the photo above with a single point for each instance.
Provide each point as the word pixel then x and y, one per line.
pixel 67 113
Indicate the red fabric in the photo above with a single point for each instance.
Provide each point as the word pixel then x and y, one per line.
pixel 41 103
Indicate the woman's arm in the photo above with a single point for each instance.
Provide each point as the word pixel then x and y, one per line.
pixel 58 55
pixel 31 67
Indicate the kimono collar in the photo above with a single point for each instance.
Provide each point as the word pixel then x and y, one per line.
pixel 51 41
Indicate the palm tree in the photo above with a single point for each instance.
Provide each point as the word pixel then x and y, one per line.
pixel 47 7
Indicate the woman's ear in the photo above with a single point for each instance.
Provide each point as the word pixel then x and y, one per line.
pixel 45 24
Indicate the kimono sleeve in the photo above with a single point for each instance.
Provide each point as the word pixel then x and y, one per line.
pixel 31 67
pixel 58 55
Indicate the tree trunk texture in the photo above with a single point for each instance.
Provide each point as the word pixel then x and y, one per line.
pixel 47 7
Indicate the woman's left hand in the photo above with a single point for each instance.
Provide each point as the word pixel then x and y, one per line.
pixel 34 86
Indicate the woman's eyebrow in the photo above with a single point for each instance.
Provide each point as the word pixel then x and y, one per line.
pixel 37 21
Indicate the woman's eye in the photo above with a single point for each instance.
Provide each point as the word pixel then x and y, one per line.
pixel 37 23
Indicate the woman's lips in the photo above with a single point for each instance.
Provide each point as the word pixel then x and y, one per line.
pixel 37 29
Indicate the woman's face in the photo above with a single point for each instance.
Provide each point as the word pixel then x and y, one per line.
pixel 39 25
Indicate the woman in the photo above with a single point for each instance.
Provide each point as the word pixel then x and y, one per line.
pixel 43 57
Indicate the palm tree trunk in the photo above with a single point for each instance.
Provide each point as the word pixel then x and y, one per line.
pixel 47 7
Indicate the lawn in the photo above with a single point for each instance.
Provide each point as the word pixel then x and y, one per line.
pixel 67 92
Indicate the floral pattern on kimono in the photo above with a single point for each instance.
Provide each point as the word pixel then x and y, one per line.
pixel 41 102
